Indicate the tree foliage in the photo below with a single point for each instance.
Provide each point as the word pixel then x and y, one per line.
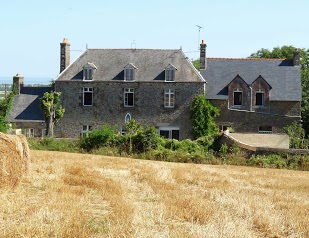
pixel 5 107
pixel 53 111
pixel 203 114
pixel 287 52
pixel 196 64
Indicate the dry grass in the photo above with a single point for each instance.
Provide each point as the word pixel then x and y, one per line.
pixel 74 195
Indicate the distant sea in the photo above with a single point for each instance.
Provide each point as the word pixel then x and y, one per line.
pixel 9 80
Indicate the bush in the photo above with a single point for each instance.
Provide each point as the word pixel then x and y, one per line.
pixel 146 139
pixel 98 138
pixel 3 125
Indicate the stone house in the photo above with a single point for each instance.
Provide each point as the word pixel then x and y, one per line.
pixel 253 95
pixel 25 113
pixel 112 86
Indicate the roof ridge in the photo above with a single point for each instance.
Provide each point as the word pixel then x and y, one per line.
pixel 218 58
pixel 130 49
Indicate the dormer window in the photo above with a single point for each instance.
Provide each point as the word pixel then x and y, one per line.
pixel 259 98
pixel 88 71
pixel 170 73
pixel 129 72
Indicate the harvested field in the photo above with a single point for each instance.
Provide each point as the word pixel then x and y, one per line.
pixel 77 195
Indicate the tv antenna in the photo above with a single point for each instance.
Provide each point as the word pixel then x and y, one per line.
pixel 199 32
pixel 133 45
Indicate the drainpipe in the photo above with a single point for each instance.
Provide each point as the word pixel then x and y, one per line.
pixel 250 99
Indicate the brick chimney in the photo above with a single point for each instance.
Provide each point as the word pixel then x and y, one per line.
pixel 18 83
pixel 64 54
pixel 296 57
pixel 203 59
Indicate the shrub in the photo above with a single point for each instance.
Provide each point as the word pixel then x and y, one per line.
pixel 146 139
pixel 97 138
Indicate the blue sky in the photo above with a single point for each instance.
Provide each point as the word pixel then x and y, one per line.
pixel 31 31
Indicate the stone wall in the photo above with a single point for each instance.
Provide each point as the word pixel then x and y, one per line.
pixel 36 126
pixel 108 105
pixel 281 114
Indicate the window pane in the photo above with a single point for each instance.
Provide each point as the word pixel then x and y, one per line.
pixel 259 99
pixel 237 98
pixel 175 134
pixel 265 129
pixel 166 100
pixel 130 99
pixel 165 134
pixel 88 98
pixel 172 100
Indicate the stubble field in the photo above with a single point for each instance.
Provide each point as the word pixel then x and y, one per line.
pixel 78 195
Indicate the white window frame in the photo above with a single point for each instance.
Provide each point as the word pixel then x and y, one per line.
pixel 88 90
pixel 170 129
pixel 129 74
pixel 127 118
pixel 169 98
pixel 242 98
pixel 29 132
pixel 88 74
pixel 128 91
pixel 88 71
pixel 170 75
pixel 85 130
pixel 263 99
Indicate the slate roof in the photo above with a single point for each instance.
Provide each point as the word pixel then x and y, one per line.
pixel 150 64
pixel 280 74
pixel 26 105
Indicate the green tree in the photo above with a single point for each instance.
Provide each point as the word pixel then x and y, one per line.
pixel 196 64
pixel 287 52
pixel 203 114
pixel 5 107
pixel 53 111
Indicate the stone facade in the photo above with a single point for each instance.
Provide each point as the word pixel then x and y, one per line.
pixel 280 114
pixel 108 105
pixel 31 129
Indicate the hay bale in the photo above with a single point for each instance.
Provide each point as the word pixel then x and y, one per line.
pixel 14 159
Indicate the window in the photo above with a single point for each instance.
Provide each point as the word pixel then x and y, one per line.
pixel 85 130
pixel 237 98
pixel 170 74
pixel 129 72
pixel 88 96
pixel 259 98
pixel 169 98
pixel 127 118
pixel 265 129
pixel 29 132
pixel 88 74
pixel 169 132
pixel 128 75
pixel 88 71
pixel 222 128
pixel 129 97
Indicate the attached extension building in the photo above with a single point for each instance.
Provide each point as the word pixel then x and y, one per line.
pixel 253 95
